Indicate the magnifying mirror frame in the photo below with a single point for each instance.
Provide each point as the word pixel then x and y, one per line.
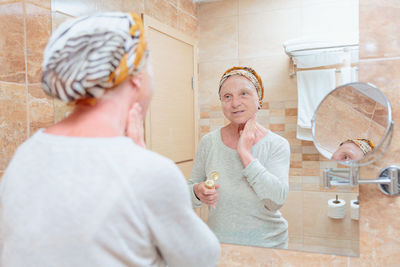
pixel 374 155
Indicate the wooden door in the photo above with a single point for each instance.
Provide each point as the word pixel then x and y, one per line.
pixel 171 121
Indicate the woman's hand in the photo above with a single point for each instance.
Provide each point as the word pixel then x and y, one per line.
pixel 134 128
pixel 247 140
pixel 206 195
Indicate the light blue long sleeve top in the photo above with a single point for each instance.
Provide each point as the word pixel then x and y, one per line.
pixel 247 212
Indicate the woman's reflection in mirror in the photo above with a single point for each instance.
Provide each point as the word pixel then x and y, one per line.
pixel 253 167
pixel 353 149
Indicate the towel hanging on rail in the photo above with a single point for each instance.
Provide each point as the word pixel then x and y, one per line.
pixel 312 86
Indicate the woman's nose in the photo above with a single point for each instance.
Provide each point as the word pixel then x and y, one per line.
pixel 235 102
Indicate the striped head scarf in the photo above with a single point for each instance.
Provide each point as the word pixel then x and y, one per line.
pixel 88 55
pixel 250 74
pixel 364 144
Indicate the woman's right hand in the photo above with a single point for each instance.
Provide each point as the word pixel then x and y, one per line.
pixel 206 195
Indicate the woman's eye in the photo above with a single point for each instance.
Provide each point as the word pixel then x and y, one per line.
pixel 227 96
pixel 244 93
pixel 346 157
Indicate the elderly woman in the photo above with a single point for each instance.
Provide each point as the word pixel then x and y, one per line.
pixel 85 191
pixel 252 165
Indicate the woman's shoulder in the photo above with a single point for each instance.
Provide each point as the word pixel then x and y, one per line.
pixel 209 137
pixel 274 140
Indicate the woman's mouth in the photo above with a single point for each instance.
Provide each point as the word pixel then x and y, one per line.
pixel 238 112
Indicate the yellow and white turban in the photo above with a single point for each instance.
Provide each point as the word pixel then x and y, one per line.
pixel 250 74
pixel 365 145
pixel 88 55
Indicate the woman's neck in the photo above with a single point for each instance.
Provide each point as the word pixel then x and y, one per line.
pixel 101 120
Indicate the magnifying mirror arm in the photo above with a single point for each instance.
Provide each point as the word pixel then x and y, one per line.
pixel 351 177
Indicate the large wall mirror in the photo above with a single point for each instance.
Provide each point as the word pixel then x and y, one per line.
pixel 252 33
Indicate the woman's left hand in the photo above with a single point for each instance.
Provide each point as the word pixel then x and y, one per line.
pixel 247 140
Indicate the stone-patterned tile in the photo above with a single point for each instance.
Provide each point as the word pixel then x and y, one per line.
pixel 379 34
pixel 12 57
pixel 13 120
pixel 163 11
pixel 38 31
pixel 188 6
pixel 41 109
pixel 187 24
pixel 217 9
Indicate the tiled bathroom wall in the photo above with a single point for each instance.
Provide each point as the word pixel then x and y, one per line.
pixel 251 33
pixel 25 27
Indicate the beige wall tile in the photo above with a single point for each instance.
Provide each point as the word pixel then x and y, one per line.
pixel 292 211
pixel 133 6
pixel 209 77
pixel 316 220
pixel 218 9
pixel 188 6
pixel 274 71
pixel 42 3
pixel 12 57
pixel 38 31
pixel 13 120
pixel 163 11
pixel 378 38
pixel 320 21
pixel 61 110
pixel 224 36
pixel 266 40
pixel 327 245
pixel 41 109
pixel 187 24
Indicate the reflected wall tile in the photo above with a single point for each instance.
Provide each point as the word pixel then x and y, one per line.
pixel 320 21
pixel 41 109
pixel 331 246
pixel 378 37
pixel 163 11
pixel 38 30
pixel 292 211
pixel 187 24
pixel 12 57
pixel 266 40
pixel 217 9
pixel 224 36
pixel 278 86
pixel 13 120
pixel 188 6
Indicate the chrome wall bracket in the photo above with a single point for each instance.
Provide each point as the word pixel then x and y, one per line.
pixel 388 180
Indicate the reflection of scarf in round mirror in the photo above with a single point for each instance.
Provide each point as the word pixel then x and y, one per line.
pixel 364 144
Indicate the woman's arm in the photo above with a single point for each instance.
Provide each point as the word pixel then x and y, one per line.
pixel 271 181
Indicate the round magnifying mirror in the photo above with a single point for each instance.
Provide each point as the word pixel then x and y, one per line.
pixel 353 124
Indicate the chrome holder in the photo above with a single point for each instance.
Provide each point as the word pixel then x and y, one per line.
pixel 388 180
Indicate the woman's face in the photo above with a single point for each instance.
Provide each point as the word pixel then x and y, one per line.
pixel 239 99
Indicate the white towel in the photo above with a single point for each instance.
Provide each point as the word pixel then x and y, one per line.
pixel 348 75
pixel 312 86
